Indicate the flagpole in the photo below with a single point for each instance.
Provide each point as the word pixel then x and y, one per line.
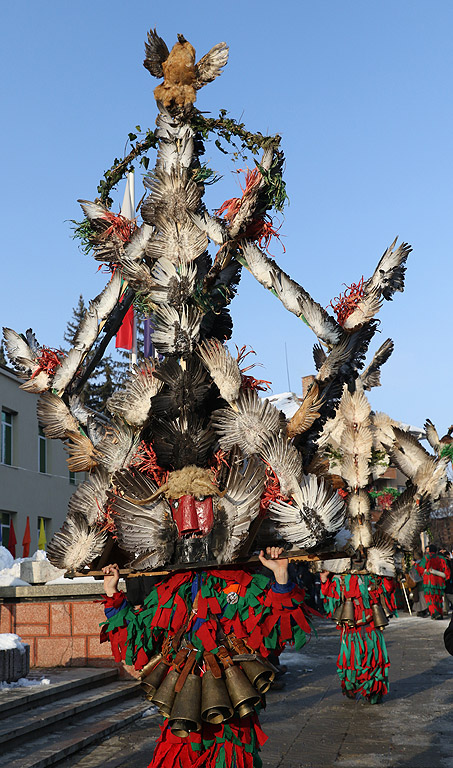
pixel 128 210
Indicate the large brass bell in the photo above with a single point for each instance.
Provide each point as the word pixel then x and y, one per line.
pixel 151 682
pixel 185 714
pixel 259 673
pixel 244 697
pixel 347 615
pixel 165 695
pixel 338 613
pixel 379 617
pixel 216 706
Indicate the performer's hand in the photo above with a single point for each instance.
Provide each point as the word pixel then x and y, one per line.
pixel 278 567
pixel 324 575
pixel 111 579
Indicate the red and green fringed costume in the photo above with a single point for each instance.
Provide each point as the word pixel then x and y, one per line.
pixel 363 662
pixel 434 583
pixel 200 608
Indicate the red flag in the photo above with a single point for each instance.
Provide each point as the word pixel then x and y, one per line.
pixel 12 541
pixel 26 540
pixel 125 335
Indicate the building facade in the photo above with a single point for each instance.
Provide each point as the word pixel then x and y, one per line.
pixel 34 476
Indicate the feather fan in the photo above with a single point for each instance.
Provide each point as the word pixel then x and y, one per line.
pixel 380 558
pixel 89 498
pixel 405 520
pixel 361 534
pixel 133 401
pixel 172 195
pixel 173 283
pixel 249 426
pixel 285 461
pixel 358 505
pixel 185 388
pixel 182 243
pixel 118 447
pixel 146 531
pixel 185 440
pixel 309 525
pixel 176 333
pixel 76 544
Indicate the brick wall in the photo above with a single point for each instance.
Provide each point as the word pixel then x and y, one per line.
pixel 59 633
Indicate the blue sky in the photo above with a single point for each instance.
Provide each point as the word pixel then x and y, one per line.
pixel 360 93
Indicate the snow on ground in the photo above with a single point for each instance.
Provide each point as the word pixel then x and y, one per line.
pixel 24 682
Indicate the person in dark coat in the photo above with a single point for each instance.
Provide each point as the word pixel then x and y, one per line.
pixel 448 638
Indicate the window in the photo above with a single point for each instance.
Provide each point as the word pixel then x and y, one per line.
pixel 72 479
pixel 42 451
pixel 7 438
pixel 4 528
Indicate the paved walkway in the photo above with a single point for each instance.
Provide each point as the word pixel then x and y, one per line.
pixel 311 725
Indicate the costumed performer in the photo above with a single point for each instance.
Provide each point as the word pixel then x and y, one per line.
pixel 191 628
pixel 435 573
pixel 359 603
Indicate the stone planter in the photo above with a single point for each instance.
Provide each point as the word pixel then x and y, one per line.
pixel 14 664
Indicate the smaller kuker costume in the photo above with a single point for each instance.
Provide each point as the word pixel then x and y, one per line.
pixel 435 572
pixel 360 603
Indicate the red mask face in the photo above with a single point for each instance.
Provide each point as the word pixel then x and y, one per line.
pixel 193 516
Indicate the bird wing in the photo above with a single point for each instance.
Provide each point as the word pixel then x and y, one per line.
pixel 371 377
pixel 319 356
pixel 67 370
pixel 388 276
pixel 81 453
pixel 156 52
pixel 307 414
pixel 146 531
pixel 408 454
pixel 237 508
pixel 223 368
pixel 19 351
pixel 365 310
pixel 431 434
pixel 210 65
pixel 55 416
